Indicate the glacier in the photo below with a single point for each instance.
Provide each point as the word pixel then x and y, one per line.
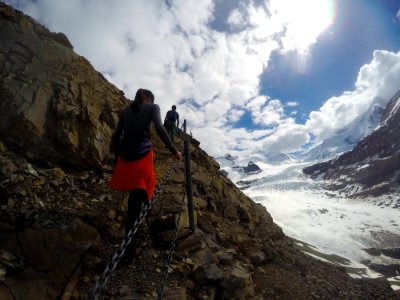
pixel 323 223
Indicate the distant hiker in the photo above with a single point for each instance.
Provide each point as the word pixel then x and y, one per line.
pixel 134 171
pixel 171 122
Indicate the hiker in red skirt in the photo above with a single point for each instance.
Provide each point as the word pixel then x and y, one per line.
pixel 134 171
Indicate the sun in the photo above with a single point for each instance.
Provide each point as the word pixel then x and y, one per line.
pixel 302 21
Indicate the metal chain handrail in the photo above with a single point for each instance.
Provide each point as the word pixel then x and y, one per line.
pixel 171 250
pixel 128 239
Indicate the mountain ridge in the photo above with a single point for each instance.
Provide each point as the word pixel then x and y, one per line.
pixel 53 82
pixel 371 167
pixel 345 139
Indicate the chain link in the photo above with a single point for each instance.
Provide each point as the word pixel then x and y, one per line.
pixel 173 243
pixel 100 284
pixel 171 251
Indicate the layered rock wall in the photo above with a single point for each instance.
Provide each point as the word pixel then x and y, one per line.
pixel 54 105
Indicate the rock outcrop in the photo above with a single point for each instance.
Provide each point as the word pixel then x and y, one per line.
pixel 372 167
pixel 252 168
pixel 55 106
pixel 60 224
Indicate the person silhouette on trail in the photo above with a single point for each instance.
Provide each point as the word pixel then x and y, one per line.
pixel 171 122
pixel 131 143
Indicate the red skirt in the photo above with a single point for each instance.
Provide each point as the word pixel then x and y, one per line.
pixel 137 174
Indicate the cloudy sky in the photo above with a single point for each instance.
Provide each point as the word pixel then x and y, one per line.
pixel 250 76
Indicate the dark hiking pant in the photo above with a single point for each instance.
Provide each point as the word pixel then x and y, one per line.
pixel 171 130
pixel 136 198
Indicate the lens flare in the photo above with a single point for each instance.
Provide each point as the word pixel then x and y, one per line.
pixel 302 21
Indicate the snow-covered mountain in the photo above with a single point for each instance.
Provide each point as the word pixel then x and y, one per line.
pixel 345 139
pixel 238 169
pixel 276 157
pixel 372 167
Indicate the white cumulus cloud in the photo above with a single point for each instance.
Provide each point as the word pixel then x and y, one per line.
pixel 377 82
pixel 292 104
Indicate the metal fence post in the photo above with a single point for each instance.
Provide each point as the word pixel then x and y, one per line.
pixel 188 178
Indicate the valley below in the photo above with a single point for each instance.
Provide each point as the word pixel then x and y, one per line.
pixel 362 235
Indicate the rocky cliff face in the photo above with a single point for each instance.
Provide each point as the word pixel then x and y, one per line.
pixel 59 225
pixel 372 167
pixel 55 106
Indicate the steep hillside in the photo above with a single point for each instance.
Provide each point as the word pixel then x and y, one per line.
pixel 55 106
pixel 60 224
pixel 372 167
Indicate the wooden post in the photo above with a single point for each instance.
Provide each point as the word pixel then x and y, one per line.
pixel 188 177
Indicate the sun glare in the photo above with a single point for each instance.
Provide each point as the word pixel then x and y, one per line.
pixel 303 21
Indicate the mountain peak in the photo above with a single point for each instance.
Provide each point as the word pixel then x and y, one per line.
pixel 346 138
pixel 252 168
pixel 373 164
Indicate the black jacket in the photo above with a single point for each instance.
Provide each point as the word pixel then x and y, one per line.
pixel 135 125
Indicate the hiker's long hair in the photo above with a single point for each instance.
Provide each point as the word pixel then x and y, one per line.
pixel 139 98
